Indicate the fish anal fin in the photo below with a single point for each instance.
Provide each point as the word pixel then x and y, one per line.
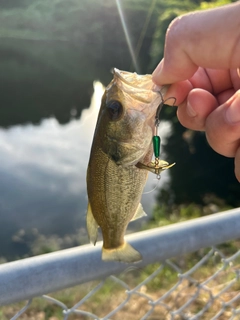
pixel 125 253
pixel 139 213
pixel 92 226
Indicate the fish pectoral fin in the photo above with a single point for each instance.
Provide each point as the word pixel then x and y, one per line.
pixel 92 226
pixel 125 253
pixel 139 213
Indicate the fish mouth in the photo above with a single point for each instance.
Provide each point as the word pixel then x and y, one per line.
pixel 133 79
pixel 140 87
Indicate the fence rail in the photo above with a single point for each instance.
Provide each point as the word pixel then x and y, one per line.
pixel 37 276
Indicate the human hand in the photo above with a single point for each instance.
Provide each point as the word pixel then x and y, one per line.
pixel 201 61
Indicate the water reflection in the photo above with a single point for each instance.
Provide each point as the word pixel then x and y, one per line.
pixel 42 176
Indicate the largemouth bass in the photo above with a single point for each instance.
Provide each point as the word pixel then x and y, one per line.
pixel 118 164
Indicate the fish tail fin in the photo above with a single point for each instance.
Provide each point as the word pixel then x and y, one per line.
pixel 124 253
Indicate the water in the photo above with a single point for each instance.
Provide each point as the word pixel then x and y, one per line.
pixel 43 169
pixel 51 53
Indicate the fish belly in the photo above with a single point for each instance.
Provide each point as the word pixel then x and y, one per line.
pixel 114 193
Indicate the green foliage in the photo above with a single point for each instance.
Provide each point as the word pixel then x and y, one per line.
pixel 212 4
pixel 165 214
pixel 164 281
pixel 190 211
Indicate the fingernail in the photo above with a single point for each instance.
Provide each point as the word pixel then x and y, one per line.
pixel 157 71
pixel 190 111
pixel 238 72
pixel 233 111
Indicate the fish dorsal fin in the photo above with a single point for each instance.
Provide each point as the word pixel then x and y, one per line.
pixel 139 213
pixel 92 226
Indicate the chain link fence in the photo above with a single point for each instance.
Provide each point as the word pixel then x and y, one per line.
pixel 198 277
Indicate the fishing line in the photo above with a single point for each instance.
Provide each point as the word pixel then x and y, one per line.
pixel 157 184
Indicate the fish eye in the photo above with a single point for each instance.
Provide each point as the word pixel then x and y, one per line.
pixel 115 109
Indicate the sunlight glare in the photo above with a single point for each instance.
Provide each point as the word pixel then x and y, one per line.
pixel 129 43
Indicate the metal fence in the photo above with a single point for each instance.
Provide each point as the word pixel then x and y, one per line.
pixel 190 270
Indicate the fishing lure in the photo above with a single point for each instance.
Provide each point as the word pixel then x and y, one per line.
pixel 158 165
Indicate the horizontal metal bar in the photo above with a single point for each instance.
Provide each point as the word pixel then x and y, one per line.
pixel 27 278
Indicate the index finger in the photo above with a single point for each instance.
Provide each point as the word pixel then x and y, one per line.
pixel 208 39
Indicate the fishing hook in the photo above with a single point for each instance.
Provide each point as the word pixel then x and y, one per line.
pixel 159 108
pixel 158 165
